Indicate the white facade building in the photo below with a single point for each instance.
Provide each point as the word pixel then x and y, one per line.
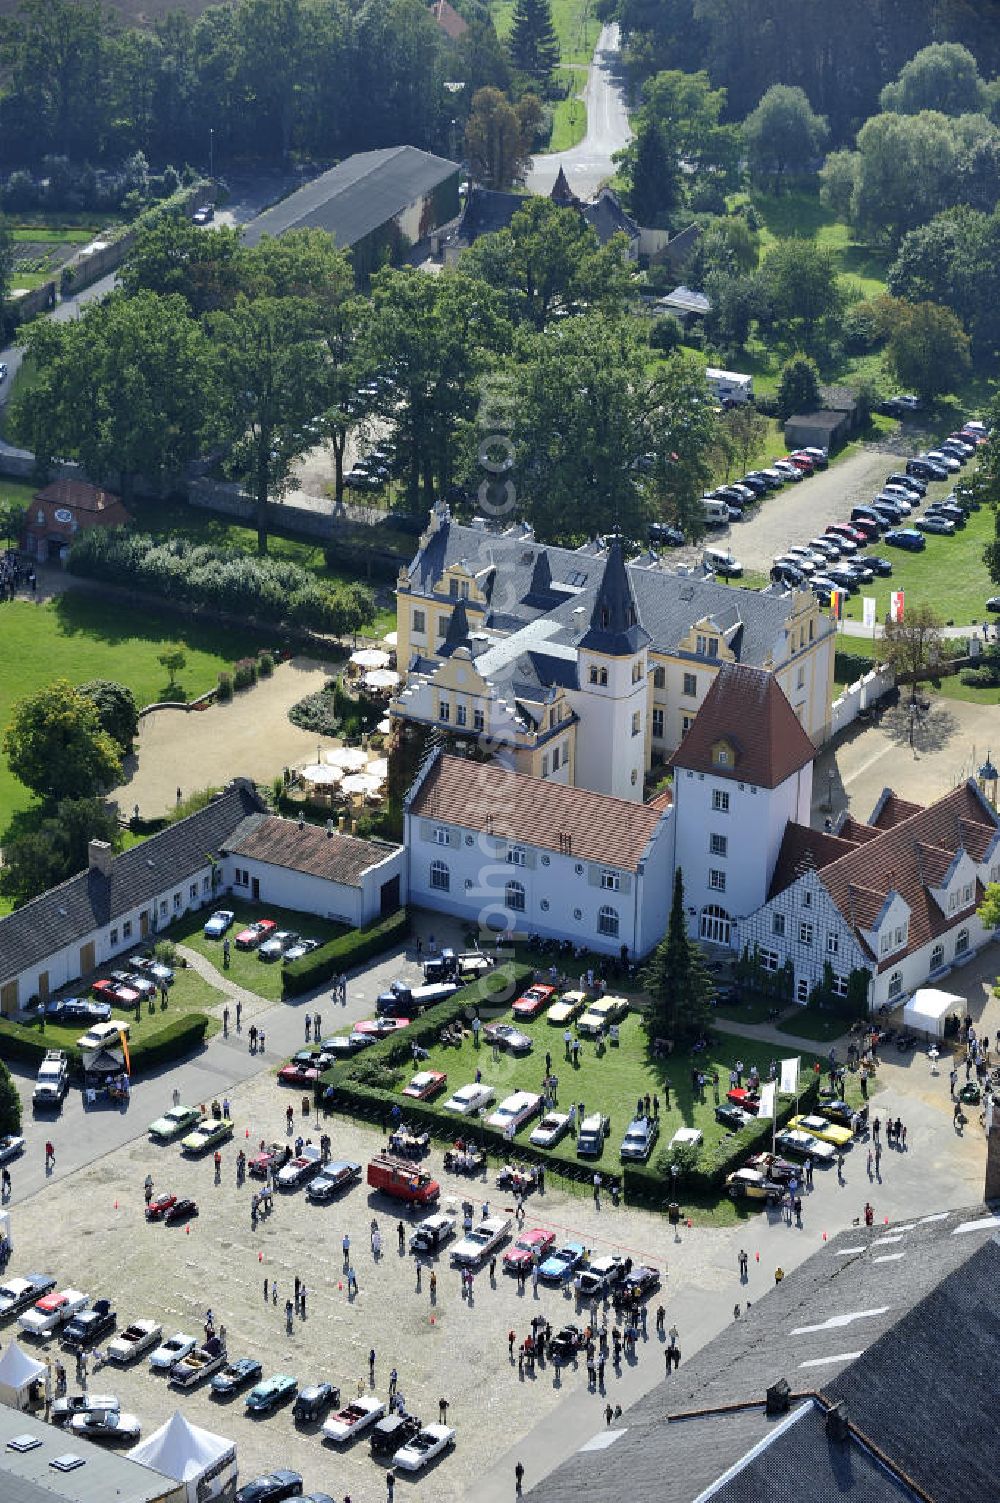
pixel 506 851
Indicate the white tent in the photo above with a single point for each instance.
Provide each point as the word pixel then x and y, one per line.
pixel 204 1462
pixel 22 1379
pixel 928 1008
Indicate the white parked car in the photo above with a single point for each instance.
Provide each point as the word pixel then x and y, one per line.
pixel 52 1310
pixel 689 1135
pixel 431 1441
pixel 469 1099
pixel 216 926
pixel 515 1111
pixel 134 1341
pixel 481 1242
pixel 17 1294
pixel 107 1424
pixel 553 1126
pixel 359 1416
pixel 171 1351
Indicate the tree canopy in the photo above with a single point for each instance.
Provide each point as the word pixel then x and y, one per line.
pixel 679 986
pixel 55 745
pixel 116 708
pixel 783 134
pixel 55 848
pixel 533 44
pixel 944 77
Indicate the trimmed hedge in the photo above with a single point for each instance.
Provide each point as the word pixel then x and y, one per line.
pixel 848 667
pixel 179 1036
pixel 344 953
pixel 643 1185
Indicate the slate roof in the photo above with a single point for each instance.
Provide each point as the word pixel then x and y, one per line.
pixel 614 621
pixel 606 217
pixel 912 851
pixel 281 842
pixel 89 901
pixel 357 196
pixel 572 821
pixel 747 708
pixel 667 604
pixel 914 1355
pixel 487 211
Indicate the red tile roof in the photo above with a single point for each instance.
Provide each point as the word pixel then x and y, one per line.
pixel 804 849
pixel 281 842
pixel 891 809
pixel 911 853
pixel 79 495
pixel 449 20
pixel 747 709
pixel 572 821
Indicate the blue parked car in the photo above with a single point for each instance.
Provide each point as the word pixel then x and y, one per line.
pixel 562 1264
pixel 906 537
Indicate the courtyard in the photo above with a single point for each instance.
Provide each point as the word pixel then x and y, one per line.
pixel 246 969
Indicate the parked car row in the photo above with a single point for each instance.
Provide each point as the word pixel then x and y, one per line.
pixel 819 1136
pixel 263 935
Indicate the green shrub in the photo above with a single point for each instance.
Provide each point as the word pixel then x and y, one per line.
pixel 986 677
pixel 265 664
pixel 344 953
pixel 10 1103
pixel 331 711
pixel 244 674
pixel 848 667
pixel 177 1038
pixel 666 333
pixel 224 693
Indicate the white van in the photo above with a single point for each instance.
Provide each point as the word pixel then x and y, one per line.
pixel 720 561
pixel 729 387
pixel 716 512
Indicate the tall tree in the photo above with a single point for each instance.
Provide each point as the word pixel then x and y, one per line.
pixel 55 745
pixel 171 255
pixel 496 142
pixel 55 848
pixel 783 134
pixel 801 283
pixel 929 350
pixel 116 709
pixel 125 388
pixel 943 77
pixel 915 645
pixel 798 386
pixel 534 46
pixel 653 174
pixel 679 985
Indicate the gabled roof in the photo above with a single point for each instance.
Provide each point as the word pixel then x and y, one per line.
pixel 79 495
pixel 357 196
pixel 307 848
pixel 447 17
pixel 911 854
pixel 561 192
pixel 746 709
pixel 487 211
pixel 485 797
pixel 804 849
pixel 606 217
pixel 90 900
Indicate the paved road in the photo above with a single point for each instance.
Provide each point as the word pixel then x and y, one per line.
pixel 589 165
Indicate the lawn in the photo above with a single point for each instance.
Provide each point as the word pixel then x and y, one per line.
pixel 810 1023
pixel 190 993
pixel 41 250
pixel 574 22
pixel 569 115
pixel 610 1083
pixel 802 216
pixel 262 977
pixel 79 636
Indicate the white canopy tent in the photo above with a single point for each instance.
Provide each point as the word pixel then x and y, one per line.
pixel 22 1379
pixel 204 1462
pixel 927 1009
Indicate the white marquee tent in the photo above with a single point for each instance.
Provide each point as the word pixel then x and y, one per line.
pixel 204 1462
pixel 22 1378
pixel 927 1009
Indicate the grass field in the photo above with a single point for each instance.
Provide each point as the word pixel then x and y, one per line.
pixel 42 248
pixel 569 115
pixel 949 575
pixel 262 977
pixel 612 1082
pixel 189 993
pixel 79 636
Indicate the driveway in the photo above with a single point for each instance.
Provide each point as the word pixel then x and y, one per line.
pixel 589 165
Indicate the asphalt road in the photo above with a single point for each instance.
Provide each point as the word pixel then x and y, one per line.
pixel 589 165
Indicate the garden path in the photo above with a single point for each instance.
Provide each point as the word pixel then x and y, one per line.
pixel 249 737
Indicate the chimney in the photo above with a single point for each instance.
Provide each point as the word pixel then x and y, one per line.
pixel 100 857
pixel 778 1397
pixel 837 1427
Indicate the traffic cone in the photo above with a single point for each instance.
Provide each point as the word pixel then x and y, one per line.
pixel 260 1257
pixel 116 1205
pixel 188 1229
pixel 248 1132
pixel 824 1236
pixel 757 1256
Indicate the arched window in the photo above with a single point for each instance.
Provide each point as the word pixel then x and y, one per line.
pixel 659 678
pixel 514 896
pixel 961 941
pixel 895 983
pixel 715 924
pixel 607 922
pixel 937 957
pixel 440 876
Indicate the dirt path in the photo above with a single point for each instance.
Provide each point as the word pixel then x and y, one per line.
pixel 250 737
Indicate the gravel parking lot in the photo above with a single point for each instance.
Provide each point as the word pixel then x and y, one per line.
pixel 797 513
pixel 444 1348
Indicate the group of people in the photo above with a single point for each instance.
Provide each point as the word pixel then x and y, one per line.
pixel 13 573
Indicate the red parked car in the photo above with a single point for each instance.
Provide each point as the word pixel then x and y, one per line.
pixel 529 1249
pixel 255 934
pixel 534 999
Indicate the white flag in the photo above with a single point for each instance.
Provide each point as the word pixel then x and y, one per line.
pixel 768 1101
pixel 868 601
pixel 789 1077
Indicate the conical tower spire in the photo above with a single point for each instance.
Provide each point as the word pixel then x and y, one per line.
pixel 614 622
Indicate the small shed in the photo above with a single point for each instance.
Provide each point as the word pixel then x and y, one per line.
pixel 62 510
pixel 203 1462
pixel 22 1379
pixel 822 429
pixel 927 1009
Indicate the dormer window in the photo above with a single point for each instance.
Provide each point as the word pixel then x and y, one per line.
pixel 605 616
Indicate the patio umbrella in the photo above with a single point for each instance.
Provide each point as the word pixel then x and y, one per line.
pixel 319 772
pixel 361 782
pixel 390 639
pixel 350 758
pixel 384 726
pixel 378 767
pixel 370 657
pixel 381 678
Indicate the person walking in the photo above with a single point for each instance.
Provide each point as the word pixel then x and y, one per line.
pixel 519 1478
pixel 346 1249
pixel 50 1156
pixel 390 1486
pixel 371 1367
pixel 809 1174
pixel 433 1285
pixel 401 1237
pixel 744 1266
pixel 225 1022
pixel 393 1385
pixel 239 1014
pixel 597 1191
pixel 226 953
pixel 443 1411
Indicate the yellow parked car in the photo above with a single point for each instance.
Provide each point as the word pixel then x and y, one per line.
pixel 827 1132
pixel 569 1006
pixel 601 1014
